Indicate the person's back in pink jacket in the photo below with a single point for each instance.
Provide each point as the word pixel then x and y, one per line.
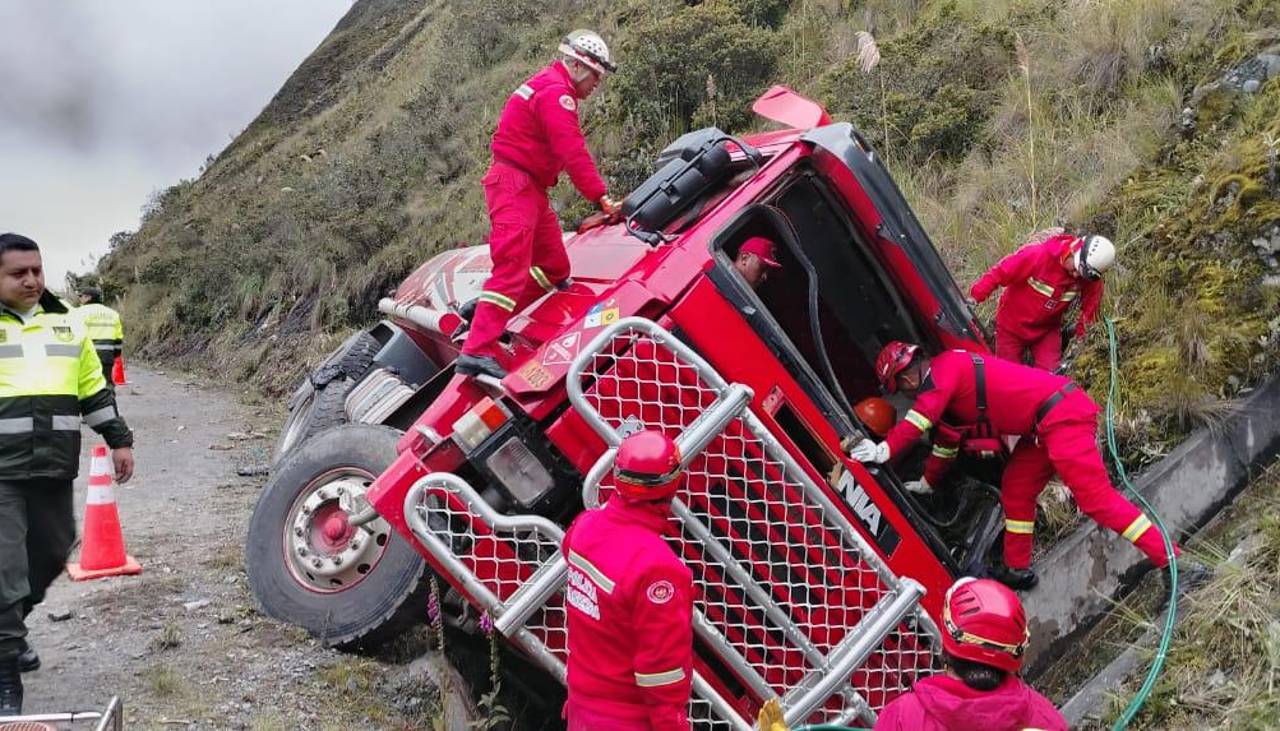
pixel 945 703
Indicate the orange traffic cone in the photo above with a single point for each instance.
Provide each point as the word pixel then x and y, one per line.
pixel 102 550
pixel 117 372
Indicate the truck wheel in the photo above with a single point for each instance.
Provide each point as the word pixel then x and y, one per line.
pixel 317 409
pixel 351 587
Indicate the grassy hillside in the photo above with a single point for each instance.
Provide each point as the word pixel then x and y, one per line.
pixel 368 160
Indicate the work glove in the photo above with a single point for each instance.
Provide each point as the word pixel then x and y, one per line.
pixel 770 718
pixel 919 487
pixel 869 451
pixel 611 208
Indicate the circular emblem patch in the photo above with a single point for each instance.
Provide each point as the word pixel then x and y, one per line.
pixel 660 592
pixel 567 102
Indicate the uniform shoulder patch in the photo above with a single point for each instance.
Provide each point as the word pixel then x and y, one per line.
pixel 567 102
pixel 660 592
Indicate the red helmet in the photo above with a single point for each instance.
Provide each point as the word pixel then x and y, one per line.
pixel 876 414
pixel 985 623
pixel 894 359
pixel 647 466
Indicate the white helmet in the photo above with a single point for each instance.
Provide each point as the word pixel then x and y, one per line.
pixel 1096 255
pixel 588 48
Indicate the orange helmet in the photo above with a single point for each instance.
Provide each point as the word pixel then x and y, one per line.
pixel 876 414
pixel 985 623
pixel 647 466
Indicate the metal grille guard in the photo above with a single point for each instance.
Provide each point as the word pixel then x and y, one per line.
pixel 792 599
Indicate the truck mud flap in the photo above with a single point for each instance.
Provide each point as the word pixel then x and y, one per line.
pixel 792 602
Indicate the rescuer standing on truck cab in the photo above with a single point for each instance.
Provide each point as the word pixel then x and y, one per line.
pixel 984 636
pixel 50 378
pixel 1041 281
pixel 630 601
pixel 1057 423
pixel 104 327
pixel 537 137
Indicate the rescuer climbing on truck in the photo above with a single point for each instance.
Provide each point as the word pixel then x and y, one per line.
pixel 1041 282
pixel 537 138
pixel 1057 425
pixel 629 601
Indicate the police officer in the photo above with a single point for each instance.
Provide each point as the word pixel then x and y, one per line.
pixel 50 378
pixel 1041 281
pixel 104 328
pixel 984 637
pixel 537 138
pixel 630 601
pixel 1057 425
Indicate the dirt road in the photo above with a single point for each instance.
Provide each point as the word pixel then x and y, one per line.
pixel 183 644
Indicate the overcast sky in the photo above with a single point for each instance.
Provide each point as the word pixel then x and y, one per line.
pixel 104 101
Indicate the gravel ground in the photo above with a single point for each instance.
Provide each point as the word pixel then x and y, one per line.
pixel 183 644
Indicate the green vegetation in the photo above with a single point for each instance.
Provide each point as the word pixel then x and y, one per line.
pixel 367 162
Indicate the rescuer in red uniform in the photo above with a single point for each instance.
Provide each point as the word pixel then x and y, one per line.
pixel 1057 423
pixel 1041 281
pixel 629 601
pixel 537 138
pixel 984 637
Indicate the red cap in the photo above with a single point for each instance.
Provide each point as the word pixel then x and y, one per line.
pixel 761 247
pixel 894 359
pixel 985 623
pixel 647 466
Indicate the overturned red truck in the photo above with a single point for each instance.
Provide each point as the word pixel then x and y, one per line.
pixel 819 580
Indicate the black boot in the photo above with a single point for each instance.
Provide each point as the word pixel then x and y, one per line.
pixel 10 688
pixel 478 365
pixel 1016 579
pixel 28 660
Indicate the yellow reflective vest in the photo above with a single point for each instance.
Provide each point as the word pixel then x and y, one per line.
pixel 50 378
pixel 103 325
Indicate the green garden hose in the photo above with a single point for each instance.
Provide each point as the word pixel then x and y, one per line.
pixel 1158 663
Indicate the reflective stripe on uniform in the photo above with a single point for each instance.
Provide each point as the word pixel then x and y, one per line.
pixel 1025 527
pixel 586 567
pixel 1135 530
pixel 945 452
pixel 18 425
pixel 540 277
pixel 64 422
pixel 1043 288
pixel 499 299
pixel 524 91
pixel 918 420
pixel 1069 295
pixel 62 350
pixel 105 414
pixel 657 680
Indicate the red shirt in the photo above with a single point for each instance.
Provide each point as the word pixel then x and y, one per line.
pixel 1014 394
pixel 944 703
pixel 629 601
pixel 538 132
pixel 1038 289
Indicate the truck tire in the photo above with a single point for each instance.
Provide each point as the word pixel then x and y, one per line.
pixel 320 402
pixel 351 587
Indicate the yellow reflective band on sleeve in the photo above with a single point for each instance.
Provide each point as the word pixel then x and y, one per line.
pixel 657 680
pixel 1069 295
pixel 945 452
pixel 586 567
pixel 1043 288
pixel 1135 530
pixel 499 299
pixel 1023 527
pixel 919 420
pixel 540 277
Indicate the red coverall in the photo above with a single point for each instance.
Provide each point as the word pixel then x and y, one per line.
pixel 1038 292
pixel 537 137
pixel 1063 440
pixel 630 619
pixel 944 703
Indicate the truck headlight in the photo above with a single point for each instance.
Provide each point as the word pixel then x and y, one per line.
pixel 520 472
